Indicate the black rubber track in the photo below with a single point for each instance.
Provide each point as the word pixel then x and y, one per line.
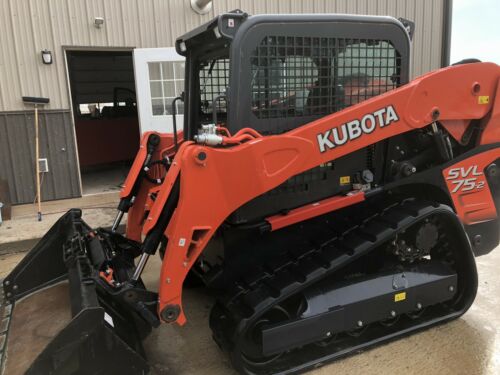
pixel 234 315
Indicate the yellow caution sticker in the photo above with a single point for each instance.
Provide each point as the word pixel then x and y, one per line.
pixel 345 180
pixel 483 99
pixel 399 297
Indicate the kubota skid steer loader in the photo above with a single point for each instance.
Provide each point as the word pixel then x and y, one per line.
pixel 329 202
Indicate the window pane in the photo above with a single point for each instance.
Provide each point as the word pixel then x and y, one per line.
pixel 180 108
pixel 179 86
pixel 281 86
pixel 84 109
pixel 373 60
pixel 310 76
pixel 169 89
pixel 166 82
pixel 168 105
pixel 154 70
pixel 371 70
pixel 214 79
pixel 179 70
pixel 158 109
pixel 156 89
pixel 168 69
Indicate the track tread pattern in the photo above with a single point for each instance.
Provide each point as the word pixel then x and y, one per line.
pixel 282 278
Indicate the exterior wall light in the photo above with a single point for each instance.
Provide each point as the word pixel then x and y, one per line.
pixel 201 6
pixel 46 57
pixel 98 22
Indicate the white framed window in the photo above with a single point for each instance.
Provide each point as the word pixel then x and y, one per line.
pixel 159 79
pixel 166 82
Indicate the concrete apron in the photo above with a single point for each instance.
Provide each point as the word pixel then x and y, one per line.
pixel 24 231
pixel 35 320
pixel 469 345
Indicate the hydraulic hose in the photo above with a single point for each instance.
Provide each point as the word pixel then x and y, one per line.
pixel 214 107
pixel 174 119
pixel 153 238
pixel 128 201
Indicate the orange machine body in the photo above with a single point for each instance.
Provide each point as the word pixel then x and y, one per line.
pixel 215 181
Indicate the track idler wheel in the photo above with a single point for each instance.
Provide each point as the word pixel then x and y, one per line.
pixel 276 315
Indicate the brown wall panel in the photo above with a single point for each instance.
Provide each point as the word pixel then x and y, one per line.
pixel 17 155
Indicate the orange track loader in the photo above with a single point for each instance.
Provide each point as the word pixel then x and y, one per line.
pixel 329 203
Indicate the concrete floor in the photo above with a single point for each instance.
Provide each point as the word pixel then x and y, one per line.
pixel 105 180
pixel 24 230
pixel 468 346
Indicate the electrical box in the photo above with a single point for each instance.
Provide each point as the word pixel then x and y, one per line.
pixel 43 165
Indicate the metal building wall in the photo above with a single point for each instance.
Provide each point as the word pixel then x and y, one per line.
pixel 17 155
pixel 29 26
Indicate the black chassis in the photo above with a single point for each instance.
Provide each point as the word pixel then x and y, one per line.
pixel 430 184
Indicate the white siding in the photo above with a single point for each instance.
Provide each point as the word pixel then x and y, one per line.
pixel 29 26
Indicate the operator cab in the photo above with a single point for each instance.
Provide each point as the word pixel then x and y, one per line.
pixel 274 73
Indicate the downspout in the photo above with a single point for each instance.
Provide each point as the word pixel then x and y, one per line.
pixel 446 40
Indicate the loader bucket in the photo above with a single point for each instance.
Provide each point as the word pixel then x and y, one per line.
pixel 55 320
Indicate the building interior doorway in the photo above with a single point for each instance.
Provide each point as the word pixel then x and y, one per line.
pixel 105 116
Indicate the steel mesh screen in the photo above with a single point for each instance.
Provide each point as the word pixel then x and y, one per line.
pixel 301 182
pixel 214 80
pixel 295 77
pixel 308 76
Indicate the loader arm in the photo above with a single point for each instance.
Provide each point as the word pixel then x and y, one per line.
pixel 214 182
